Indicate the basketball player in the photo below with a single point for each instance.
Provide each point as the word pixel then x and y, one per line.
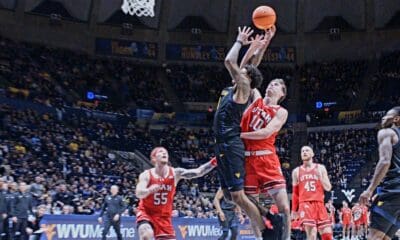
pixel 229 148
pixel 261 123
pixel 385 211
pixel 156 190
pixel 346 220
pixel 331 212
pixel 309 182
pixel 357 221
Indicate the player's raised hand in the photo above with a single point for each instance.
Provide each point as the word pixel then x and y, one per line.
pixel 270 33
pixel 244 34
pixel 154 188
pixel 258 42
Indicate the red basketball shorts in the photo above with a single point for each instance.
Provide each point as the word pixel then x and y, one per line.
pixel 364 219
pixel 358 223
pixel 162 226
pixel 346 223
pixel 314 214
pixel 263 173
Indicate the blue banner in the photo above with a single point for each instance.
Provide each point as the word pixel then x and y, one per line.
pixel 195 52
pixel 280 55
pixel 144 114
pixel 126 48
pixel 217 53
pixel 86 227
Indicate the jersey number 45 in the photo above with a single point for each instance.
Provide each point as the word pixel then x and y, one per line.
pixel 310 186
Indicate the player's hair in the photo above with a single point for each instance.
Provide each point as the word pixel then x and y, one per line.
pixel 255 75
pixel 284 88
pixel 397 110
pixel 308 147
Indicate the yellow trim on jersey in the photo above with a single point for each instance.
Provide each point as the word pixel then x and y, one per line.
pixel 223 94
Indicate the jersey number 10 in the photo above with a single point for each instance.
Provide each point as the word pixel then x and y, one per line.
pixel 160 198
pixel 310 186
pixel 256 122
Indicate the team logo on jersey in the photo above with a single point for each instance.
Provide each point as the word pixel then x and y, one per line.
pixel 302 214
pixel 183 230
pixel 349 194
pixel 237 175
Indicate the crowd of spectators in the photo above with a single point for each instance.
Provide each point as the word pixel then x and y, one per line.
pixel 343 152
pixel 200 83
pixel 337 81
pixel 384 90
pixel 69 170
pixel 56 76
pixel 69 166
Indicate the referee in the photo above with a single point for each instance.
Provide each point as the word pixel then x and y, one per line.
pixel 114 206
pixel 229 216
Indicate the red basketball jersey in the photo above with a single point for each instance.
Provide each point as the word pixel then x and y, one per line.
pixel 161 202
pixel 364 212
pixel 346 214
pixel 310 186
pixel 257 116
pixel 357 213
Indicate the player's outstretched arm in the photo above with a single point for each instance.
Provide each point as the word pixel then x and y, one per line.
pixel 326 183
pixel 142 189
pixel 385 137
pixel 233 54
pixel 259 45
pixel 295 192
pixel 182 173
pixel 274 126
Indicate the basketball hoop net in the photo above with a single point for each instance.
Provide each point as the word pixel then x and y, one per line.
pixel 139 7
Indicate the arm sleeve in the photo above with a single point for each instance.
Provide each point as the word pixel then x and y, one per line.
pixel 295 198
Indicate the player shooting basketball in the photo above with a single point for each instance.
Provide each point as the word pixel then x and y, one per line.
pixel 234 100
pixel 260 125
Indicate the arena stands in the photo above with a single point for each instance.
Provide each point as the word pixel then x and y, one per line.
pixel 343 152
pixel 384 89
pixel 68 168
pixel 199 83
pixel 70 163
pixel 61 77
pixel 337 81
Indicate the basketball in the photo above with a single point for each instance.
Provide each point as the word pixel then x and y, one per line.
pixel 264 17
